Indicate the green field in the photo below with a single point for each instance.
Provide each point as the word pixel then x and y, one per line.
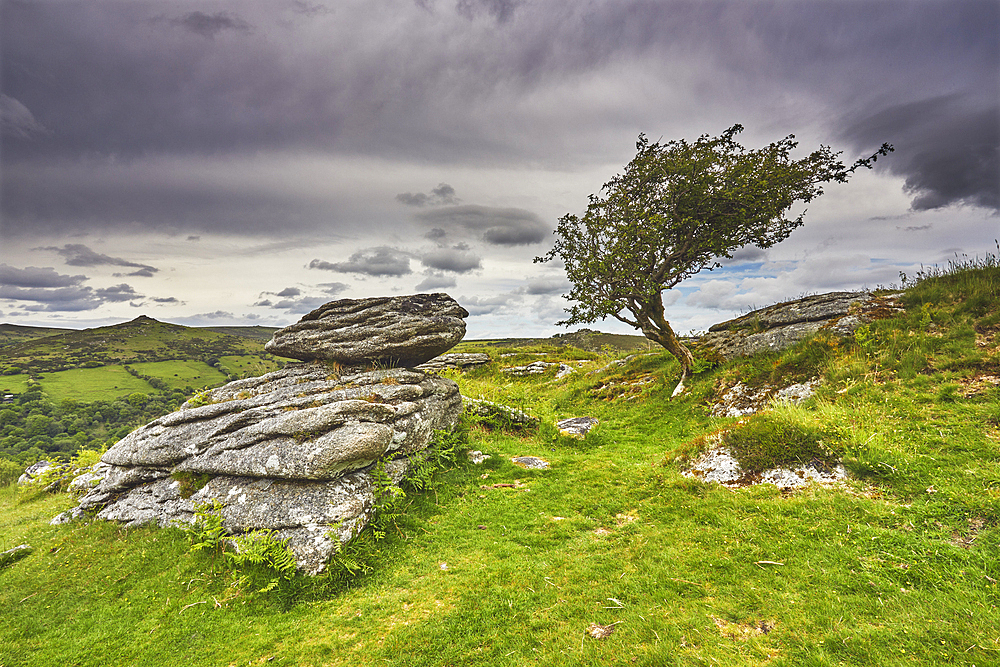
pixel 180 374
pixel 14 384
pixel 248 366
pixel 92 384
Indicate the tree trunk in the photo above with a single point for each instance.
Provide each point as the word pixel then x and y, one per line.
pixel 656 328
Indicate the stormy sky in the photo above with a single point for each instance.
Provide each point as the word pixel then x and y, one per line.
pixel 244 163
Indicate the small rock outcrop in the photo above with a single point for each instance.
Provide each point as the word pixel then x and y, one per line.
pixel 780 326
pixel 386 331
pixel 576 427
pixel 461 361
pixel 293 451
pixel 34 472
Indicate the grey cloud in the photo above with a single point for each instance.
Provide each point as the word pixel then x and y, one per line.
pixel 947 149
pixel 332 289
pixel 293 302
pixel 117 293
pixel 439 196
pixel 538 286
pixel 77 254
pixel 210 25
pixel 216 315
pixel 300 7
pixel 435 281
pixel 70 299
pixel 448 89
pixel 167 299
pixel 486 305
pixel 501 10
pixel 745 255
pixel 372 262
pixel 458 259
pixel 141 273
pixel 499 226
pixel 34 276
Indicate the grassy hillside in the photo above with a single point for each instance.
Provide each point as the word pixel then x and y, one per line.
pixel 498 565
pixel 13 333
pixel 85 389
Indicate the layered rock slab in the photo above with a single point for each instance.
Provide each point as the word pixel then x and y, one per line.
pixel 388 331
pixel 291 451
pixel 782 325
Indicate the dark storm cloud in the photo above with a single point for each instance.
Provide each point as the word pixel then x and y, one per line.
pixel 34 276
pixel 548 83
pixel 77 254
pixel 499 226
pixel 371 262
pixel 947 149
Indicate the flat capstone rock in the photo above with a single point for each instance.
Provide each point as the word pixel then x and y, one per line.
pixel 398 331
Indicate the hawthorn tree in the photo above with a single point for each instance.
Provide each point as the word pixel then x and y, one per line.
pixel 678 208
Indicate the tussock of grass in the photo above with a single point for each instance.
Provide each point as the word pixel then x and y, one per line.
pixel 497 565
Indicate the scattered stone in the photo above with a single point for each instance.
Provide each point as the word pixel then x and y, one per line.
pixel 719 465
pixel 741 400
pixel 530 462
pixel 11 556
pixel 499 414
pixel 477 457
pixel 456 361
pixel 577 427
pixel 783 325
pixel 563 371
pixel 388 331
pixel 534 368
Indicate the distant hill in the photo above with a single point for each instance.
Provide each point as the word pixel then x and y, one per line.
pixel 141 340
pixel 15 333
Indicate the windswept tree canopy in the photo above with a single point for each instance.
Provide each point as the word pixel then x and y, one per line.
pixel 678 208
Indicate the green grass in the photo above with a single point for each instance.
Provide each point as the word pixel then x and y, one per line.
pixel 180 374
pixel 14 384
pixel 898 567
pixel 92 384
pixel 248 366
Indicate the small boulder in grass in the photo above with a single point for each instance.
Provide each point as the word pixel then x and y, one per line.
pixel 576 427
pixel 13 555
pixel 530 462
